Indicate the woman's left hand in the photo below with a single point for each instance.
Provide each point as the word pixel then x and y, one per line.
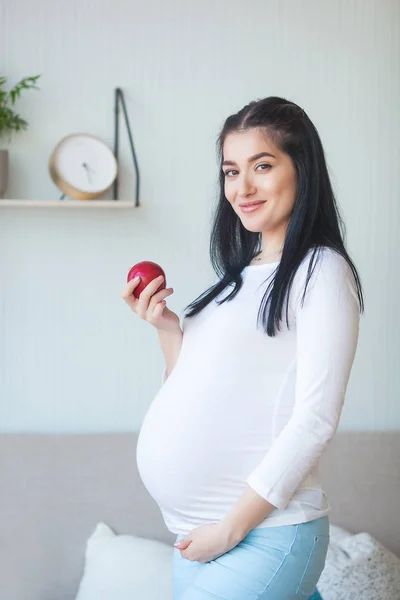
pixel 206 543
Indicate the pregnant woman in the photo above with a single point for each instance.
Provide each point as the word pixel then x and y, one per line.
pixel 256 374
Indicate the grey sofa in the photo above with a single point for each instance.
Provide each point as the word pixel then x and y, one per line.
pixel 56 488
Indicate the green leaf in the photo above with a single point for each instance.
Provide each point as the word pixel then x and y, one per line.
pixel 10 121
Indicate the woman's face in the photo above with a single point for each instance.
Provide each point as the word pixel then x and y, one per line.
pixel 251 176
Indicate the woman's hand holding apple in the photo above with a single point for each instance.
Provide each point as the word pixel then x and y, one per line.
pixel 150 305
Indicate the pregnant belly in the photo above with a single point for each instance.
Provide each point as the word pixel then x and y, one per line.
pixel 184 460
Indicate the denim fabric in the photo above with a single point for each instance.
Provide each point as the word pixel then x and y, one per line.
pixel 270 563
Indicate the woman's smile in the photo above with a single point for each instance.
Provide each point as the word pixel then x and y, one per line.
pixel 252 207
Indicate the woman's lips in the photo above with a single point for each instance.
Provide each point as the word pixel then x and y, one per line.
pixel 252 207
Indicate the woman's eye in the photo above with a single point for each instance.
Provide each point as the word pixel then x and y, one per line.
pixel 226 173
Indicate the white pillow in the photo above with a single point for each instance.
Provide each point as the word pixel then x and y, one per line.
pixel 358 566
pixel 125 567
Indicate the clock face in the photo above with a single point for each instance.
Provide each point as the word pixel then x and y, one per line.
pixel 83 163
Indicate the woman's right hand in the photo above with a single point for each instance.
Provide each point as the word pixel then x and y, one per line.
pixel 151 305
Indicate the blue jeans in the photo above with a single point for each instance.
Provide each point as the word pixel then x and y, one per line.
pixel 270 563
pixel 316 596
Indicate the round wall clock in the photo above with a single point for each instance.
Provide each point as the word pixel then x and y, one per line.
pixel 83 166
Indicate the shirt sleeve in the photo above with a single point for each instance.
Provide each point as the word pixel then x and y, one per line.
pixel 327 327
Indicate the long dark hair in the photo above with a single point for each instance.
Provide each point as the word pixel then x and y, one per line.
pixel 314 223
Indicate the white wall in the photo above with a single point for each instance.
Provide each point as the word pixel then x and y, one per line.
pixel 73 357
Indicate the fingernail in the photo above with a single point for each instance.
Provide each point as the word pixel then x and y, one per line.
pixel 136 279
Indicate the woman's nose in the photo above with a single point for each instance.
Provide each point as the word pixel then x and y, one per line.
pixel 246 187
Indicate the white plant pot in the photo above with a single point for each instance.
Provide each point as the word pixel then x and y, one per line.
pixel 3 172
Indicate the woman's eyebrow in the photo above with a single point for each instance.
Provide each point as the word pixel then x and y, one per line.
pixel 251 159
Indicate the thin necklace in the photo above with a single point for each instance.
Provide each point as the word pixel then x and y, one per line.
pixel 268 255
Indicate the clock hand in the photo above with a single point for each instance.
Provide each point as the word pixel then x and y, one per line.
pixel 85 166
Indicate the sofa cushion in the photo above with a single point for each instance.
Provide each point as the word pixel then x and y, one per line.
pixel 123 567
pixel 358 566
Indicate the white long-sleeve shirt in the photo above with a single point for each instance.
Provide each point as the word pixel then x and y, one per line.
pixel 241 408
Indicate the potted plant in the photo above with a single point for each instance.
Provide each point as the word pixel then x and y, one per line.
pixel 10 121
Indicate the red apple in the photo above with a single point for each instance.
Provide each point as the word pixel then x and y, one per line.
pixel 147 271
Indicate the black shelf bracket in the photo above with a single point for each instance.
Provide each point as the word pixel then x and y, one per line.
pixel 119 98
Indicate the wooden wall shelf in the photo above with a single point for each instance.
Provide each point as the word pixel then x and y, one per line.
pixel 69 203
